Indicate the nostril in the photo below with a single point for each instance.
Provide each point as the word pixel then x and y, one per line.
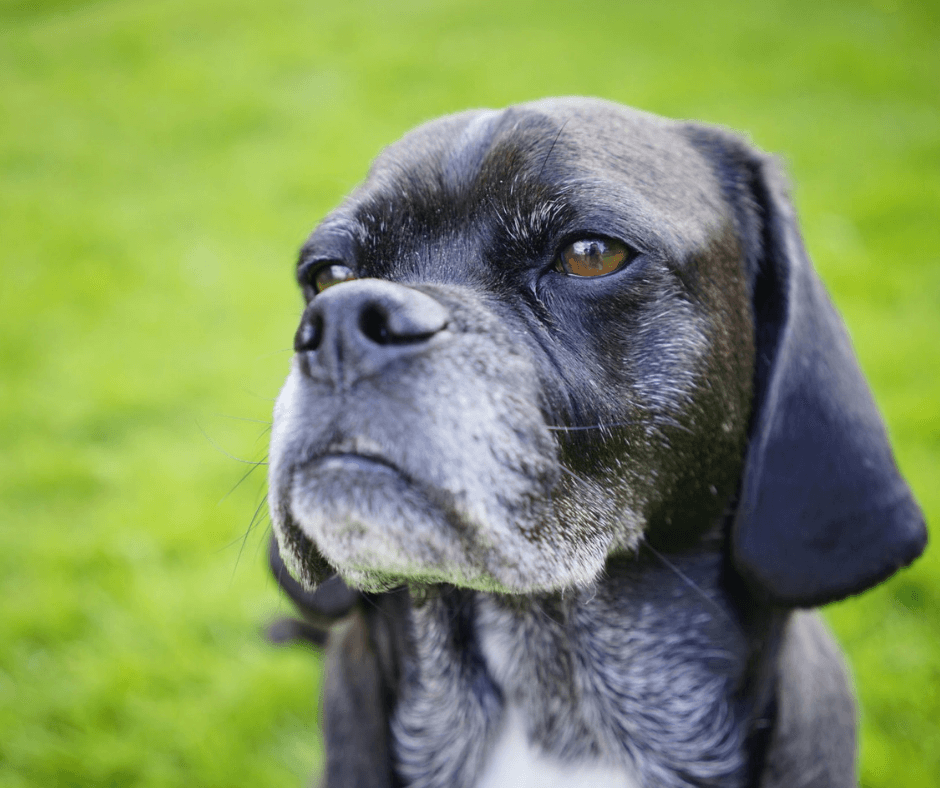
pixel 373 323
pixel 309 335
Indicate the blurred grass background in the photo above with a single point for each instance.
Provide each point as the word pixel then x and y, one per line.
pixel 160 163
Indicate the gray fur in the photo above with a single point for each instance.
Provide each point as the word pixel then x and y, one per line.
pixel 650 692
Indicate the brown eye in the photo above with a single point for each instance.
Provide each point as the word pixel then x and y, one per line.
pixel 592 257
pixel 330 274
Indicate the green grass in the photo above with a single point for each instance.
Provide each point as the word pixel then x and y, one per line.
pixel 161 161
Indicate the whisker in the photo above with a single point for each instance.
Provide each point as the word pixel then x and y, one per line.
pixel 255 520
pixel 251 470
pixel 573 475
pixel 593 426
pixel 240 539
pixel 552 148
pixel 220 449
pixel 274 353
pixel 367 599
pixel 263 541
pixel 265 431
pixel 672 423
pixel 689 582
pixel 243 418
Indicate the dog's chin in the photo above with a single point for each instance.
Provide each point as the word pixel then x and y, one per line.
pixel 381 530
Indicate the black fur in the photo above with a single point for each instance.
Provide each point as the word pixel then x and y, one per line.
pixel 604 496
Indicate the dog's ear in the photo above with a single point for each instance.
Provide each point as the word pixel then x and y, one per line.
pixel 330 601
pixel 823 511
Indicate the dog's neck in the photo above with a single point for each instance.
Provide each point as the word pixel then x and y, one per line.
pixel 633 676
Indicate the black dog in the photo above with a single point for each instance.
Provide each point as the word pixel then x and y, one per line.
pixel 586 432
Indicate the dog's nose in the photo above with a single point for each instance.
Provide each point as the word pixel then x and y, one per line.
pixel 356 328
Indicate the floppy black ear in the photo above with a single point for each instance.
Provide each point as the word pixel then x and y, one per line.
pixel 330 601
pixel 823 510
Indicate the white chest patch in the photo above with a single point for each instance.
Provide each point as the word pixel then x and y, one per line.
pixel 515 763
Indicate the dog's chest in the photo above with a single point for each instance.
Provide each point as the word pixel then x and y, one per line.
pixel 515 761
pixel 514 757
pixel 553 695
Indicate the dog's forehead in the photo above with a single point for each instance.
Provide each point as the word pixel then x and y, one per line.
pixel 586 155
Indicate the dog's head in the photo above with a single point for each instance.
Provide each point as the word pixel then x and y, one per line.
pixel 535 337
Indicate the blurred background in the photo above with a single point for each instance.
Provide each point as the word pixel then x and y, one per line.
pixel 160 163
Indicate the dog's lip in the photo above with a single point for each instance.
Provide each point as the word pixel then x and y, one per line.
pixel 351 461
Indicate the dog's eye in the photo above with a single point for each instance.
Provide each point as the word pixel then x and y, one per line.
pixel 592 257
pixel 329 274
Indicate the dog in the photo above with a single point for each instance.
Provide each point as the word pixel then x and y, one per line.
pixel 572 442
